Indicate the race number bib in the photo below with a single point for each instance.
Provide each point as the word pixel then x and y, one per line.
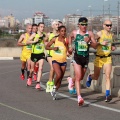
pixel 82 46
pixel 60 51
pixel 29 47
pixel 107 48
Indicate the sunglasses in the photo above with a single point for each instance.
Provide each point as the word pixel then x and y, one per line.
pixel 83 24
pixel 108 25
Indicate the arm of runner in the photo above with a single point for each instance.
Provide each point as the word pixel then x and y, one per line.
pixel 71 37
pixel 20 41
pixel 48 46
pixel 46 39
pixel 30 40
pixel 113 47
pixel 101 43
pixel 93 42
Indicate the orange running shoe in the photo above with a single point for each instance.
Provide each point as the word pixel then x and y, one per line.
pixel 35 77
pixel 22 76
pixel 29 81
pixel 37 86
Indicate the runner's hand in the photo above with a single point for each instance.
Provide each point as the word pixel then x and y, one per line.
pixel 86 39
pixel 113 48
pixel 55 48
pixel 104 43
pixel 70 50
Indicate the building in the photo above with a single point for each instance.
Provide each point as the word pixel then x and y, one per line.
pixel 11 20
pixel 71 19
pixel 41 17
pixel 28 21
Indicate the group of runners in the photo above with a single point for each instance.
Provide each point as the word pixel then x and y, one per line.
pixel 55 46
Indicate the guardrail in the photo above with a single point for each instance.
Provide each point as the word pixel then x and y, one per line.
pixel 99 85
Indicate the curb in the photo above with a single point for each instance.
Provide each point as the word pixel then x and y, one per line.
pixel 6 58
pixel 9 58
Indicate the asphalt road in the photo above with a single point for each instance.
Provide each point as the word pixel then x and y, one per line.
pixel 18 102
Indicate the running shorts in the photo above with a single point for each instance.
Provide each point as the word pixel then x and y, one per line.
pixel 37 57
pixel 81 60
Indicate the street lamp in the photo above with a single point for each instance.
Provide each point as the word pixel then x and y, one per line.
pixel 118 20
pixel 90 15
pixel 104 8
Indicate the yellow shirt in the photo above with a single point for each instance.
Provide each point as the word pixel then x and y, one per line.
pixel 105 50
pixel 60 55
pixel 27 48
pixel 51 36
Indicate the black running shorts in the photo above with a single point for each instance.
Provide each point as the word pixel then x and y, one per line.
pixel 37 57
pixel 81 60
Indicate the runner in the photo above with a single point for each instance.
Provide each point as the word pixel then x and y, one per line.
pixel 60 23
pixel 81 39
pixel 59 57
pixel 103 57
pixel 26 51
pixel 37 56
pixel 34 30
pixel 49 37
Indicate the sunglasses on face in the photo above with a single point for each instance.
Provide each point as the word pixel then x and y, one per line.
pixel 83 24
pixel 108 25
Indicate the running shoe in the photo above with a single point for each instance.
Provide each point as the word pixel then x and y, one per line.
pixel 80 101
pixel 53 93
pixel 108 98
pixel 70 85
pixel 22 76
pixel 48 87
pixel 51 86
pixel 37 86
pixel 29 81
pixel 35 77
pixel 89 79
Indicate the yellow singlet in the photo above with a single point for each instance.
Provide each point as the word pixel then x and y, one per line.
pixel 61 54
pixel 51 36
pixel 105 50
pixel 27 48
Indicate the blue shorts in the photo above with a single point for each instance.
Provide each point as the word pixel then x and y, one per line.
pixel 61 64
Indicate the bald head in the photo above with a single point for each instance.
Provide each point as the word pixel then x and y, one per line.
pixel 107 22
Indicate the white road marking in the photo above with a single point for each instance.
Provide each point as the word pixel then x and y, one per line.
pixel 27 113
pixel 86 102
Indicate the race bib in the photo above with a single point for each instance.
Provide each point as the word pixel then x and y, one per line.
pixel 82 46
pixel 39 46
pixel 29 47
pixel 107 48
pixel 60 51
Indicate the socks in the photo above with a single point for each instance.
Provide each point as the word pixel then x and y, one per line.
pixel 28 72
pixel 22 70
pixel 107 92
pixel 35 69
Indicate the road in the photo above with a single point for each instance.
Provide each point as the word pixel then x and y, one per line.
pixel 18 102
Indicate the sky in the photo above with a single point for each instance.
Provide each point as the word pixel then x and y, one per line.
pixel 56 9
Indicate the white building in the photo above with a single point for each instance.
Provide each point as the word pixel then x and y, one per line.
pixel 28 21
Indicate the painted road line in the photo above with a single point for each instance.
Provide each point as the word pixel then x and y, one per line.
pixel 27 113
pixel 86 102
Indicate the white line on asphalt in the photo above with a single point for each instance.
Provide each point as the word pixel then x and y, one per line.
pixel 27 113
pixel 86 102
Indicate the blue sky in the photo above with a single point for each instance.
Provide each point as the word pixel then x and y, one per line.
pixel 55 8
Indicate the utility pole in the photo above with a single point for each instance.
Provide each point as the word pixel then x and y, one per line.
pixel 109 11
pixel 118 20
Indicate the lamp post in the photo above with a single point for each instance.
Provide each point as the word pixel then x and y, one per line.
pixel 104 8
pixel 118 20
pixel 90 15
